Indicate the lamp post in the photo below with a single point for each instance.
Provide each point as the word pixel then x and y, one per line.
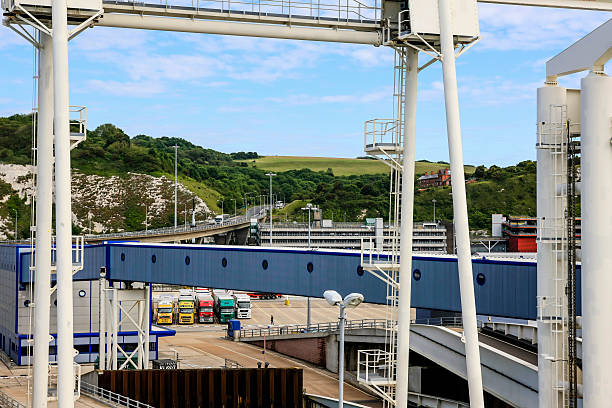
pixel 270 175
pixel 222 210
pixel 234 200
pixel 434 204
pixel 175 182
pixel 246 204
pixel 309 207
pixel 351 300
pixel 14 209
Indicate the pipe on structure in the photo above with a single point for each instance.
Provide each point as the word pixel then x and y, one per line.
pixel 406 224
pixel 551 98
pixel 464 255
pixel 240 29
pixel 102 321
pixel 44 207
pixel 596 151
pixel 65 350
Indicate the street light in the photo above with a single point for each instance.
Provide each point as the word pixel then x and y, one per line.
pixel 271 175
pixel 233 199
pixel 351 300
pixel 14 209
pixel 434 203
pixel 309 207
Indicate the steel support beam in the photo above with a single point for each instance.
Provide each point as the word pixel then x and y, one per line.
pixel 240 29
pixel 44 205
pixel 406 224
pixel 464 255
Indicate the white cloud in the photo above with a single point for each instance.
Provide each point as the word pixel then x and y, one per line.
pixel 138 89
pixel 307 99
pixel 506 27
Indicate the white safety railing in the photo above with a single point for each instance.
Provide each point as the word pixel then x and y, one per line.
pixel 381 133
pixel 78 120
pixel 326 10
pixel 313 328
pixel 53 377
pixel 374 367
pixel 8 402
pixel 113 398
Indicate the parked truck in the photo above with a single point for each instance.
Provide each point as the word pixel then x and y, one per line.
pixel 243 305
pixel 205 308
pixel 224 306
pixel 165 310
pixel 186 307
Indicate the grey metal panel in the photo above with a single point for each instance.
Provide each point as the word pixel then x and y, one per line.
pixel 94 257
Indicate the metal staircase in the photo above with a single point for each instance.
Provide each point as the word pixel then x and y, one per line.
pixel 384 140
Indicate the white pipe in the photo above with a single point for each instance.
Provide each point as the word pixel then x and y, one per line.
pixel 407 209
pixel 102 324
pixel 341 359
pixel 115 328
pixel 549 97
pixel 65 356
pixel 147 324
pixel 596 134
pixel 44 204
pixel 464 256
pixel 241 29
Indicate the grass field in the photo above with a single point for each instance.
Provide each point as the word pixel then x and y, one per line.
pixel 340 166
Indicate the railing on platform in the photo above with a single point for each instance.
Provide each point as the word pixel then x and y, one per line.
pixel 107 396
pixel 313 328
pixel 8 402
pixel 328 10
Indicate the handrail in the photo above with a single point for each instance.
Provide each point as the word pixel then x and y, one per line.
pixel 325 327
pixel 8 402
pixel 107 396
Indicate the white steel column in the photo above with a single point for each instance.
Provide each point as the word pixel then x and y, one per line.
pixel 65 353
pixel 102 324
pixel 464 256
pixel 407 209
pixel 596 135
pixel 147 323
pixel 44 204
pixel 550 99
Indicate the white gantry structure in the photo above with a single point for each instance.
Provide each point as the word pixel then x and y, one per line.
pixel 442 29
pixel 572 122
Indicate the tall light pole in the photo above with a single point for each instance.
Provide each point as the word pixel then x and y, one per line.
pixel 146 218
pixel 434 204
pixel 14 209
pixel 175 182
pixel 233 199
pixel 351 300
pixel 309 207
pixel 270 175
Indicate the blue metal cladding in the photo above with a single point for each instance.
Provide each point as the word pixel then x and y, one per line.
pixel 503 288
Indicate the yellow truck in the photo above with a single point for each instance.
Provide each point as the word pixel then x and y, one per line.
pixel 186 307
pixel 165 307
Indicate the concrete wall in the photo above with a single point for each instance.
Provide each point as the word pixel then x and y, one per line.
pixel 312 350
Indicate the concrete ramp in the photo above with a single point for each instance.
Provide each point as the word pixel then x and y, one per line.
pixel 508 371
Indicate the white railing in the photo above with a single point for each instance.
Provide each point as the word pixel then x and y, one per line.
pixel 53 376
pixel 375 366
pixel 78 120
pixel 382 133
pixel 313 328
pixel 8 402
pixel 113 398
pixel 340 10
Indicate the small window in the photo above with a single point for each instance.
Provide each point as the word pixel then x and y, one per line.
pixel 153 258
pixel 480 279
pixel 416 274
pixel 122 257
pixel 224 262
pixel 187 260
pixel 264 264
pixel 310 267
pixel 360 270
pixel 82 293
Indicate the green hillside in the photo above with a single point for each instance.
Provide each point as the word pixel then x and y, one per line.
pixel 347 189
pixel 338 166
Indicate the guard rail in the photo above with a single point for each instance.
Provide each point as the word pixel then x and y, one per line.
pixel 106 396
pixel 8 402
pixel 313 328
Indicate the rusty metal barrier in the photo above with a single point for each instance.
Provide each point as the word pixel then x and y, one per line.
pixel 211 387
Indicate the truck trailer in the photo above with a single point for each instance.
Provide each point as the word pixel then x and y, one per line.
pixel 205 308
pixel 165 310
pixel 243 306
pixel 224 306
pixel 186 307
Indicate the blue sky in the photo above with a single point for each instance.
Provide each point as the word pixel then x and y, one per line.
pixel 304 98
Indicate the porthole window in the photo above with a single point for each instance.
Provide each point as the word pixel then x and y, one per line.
pixel 310 267
pixel 360 270
pixel 55 302
pixel 224 262
pixel 153 258
pixel 187 260
pixel 82 293
pixel 122 257
pixel 480 279
pixel 264 264
pixel 416 274
pixel 26 303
